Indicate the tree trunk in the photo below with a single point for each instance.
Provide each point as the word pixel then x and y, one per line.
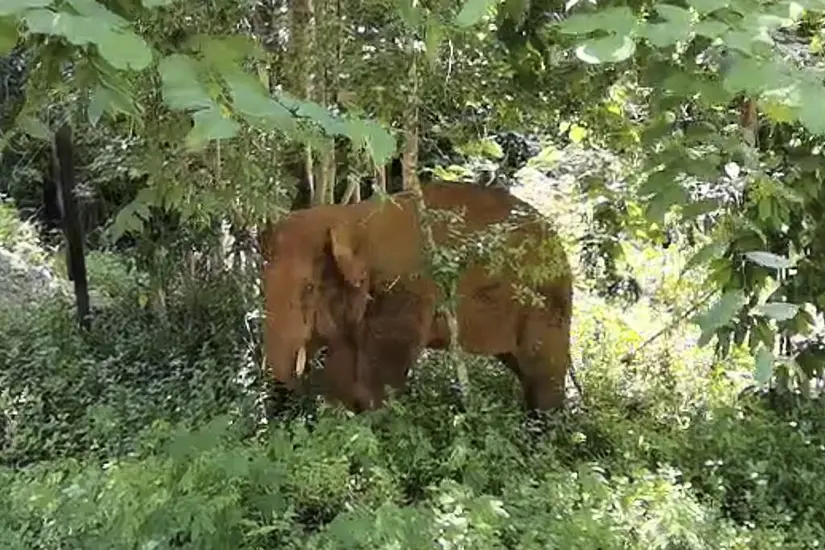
pixel 63 162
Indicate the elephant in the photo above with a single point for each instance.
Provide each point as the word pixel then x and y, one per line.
pixel 355 278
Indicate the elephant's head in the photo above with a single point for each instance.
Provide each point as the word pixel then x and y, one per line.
pixel 316 288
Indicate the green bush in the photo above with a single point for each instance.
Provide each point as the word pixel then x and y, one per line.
pixel 142 434
pixel 70 394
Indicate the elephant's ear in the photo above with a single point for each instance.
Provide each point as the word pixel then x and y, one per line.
pixel 351 267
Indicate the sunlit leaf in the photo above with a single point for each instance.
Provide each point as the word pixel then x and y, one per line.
pixel 577 133
pixel 780 311
pixel 722 312
pixel 764 365
pixel 607 49
pixel 705 254
pixel 769 260
pixel 157 3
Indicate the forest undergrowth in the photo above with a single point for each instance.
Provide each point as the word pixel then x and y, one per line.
pixel 142 435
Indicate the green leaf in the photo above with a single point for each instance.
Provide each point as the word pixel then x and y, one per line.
pixel 93 10
pixel 780 311
pixel 34 127
pixel 180 83
pixel 710 28
pixel 434 34
pixel 707 6
pixel 516 10
pixel 722 312
pixel 709 252
pixel 210 124
pixel 812 110
pixel 13 7
pixel 677 26
pixel 618 20
pixel 124 50
pixel 121 48
pixel 613 48
pixel 473 11
pixel 225 53
pixel 410 15
pixel 764 365
pixel 663 35
pixel 255 105
pixel 675 14
pixel 157 3
pixel 769 260
pixel 8 35
pixel 668 196
pixel 108 99
pixel 130 219
pixel 380 144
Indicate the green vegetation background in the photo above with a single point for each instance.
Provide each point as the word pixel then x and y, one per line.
pixel 142 435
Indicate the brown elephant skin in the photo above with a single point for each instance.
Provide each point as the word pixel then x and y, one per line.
pixel 353 278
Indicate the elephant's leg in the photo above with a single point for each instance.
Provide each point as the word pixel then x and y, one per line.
pixel 543 360
pixel 511 362
pixel 341 382
pixel 396 327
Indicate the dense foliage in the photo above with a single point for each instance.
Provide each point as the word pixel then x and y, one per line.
pixel 677 146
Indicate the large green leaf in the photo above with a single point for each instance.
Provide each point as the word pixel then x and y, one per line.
pixel 618 20
pixel 121 48
pixel 812 110
pixel 180 83
pixel 710 28
pixel 226 53
pixel 709 252
pixel 255 105
pixel 722 312
pixel 210 124
pixel 607 49
pixel 125 50
pixel 380 144
pixel 669 196
pixel 93 10
pixel 109 99
pixel 410 14
pixel 764 365
pixel 34 127
pixel 676 27
pixel 780 311
pixel 473 11
pixel 13 7
pixel 769 260
pixel 707 6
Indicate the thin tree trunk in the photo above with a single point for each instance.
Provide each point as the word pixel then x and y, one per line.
pixel 63 161
pixel 409 179
pixel 301 46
